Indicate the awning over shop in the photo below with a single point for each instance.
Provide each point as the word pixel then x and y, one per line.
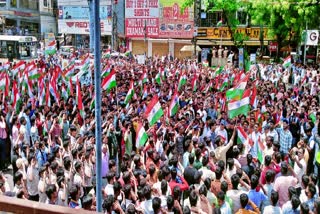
pixel 189 48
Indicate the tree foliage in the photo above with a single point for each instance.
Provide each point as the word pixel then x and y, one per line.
pixel 286 19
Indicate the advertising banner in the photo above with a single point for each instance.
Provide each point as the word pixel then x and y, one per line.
pixel 142 18
pixel 82 12
pixel 312 37
pixel 82 26
pixel 224 33
pixel 136 27
pixel 173 23
pixel 241 56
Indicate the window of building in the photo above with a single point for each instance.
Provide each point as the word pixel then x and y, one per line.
pixel 45 3
pixel 13 3
pixel 242 17
pixel 3 3
pixel 212 19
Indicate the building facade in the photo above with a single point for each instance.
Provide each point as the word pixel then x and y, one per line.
pixel 158 27
pixel 28 17
pixel 74 23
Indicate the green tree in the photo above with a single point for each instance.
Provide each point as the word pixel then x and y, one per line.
pixel 285 19
pixel 229 9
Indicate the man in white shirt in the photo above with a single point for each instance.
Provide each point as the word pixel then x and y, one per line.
pixel 221 131
pixel 234 193
pixel 108 190
pixel 300 165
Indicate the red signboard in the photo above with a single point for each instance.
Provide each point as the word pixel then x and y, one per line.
pixel 139 28
pixel 174 24
pixel 142 18
pixel 273 46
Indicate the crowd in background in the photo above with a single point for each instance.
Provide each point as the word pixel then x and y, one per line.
pixel 192 162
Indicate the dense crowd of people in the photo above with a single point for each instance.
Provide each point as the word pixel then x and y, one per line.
pixel 197 160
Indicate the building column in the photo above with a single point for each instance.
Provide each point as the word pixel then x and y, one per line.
pixel 18 22
pixel 149 52
pixel 130 44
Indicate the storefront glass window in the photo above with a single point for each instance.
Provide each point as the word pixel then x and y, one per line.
pixel 27 50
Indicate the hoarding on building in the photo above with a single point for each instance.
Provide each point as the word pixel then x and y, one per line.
pixel 82 12
pixel 173 23
pixel 142 18
pixel 224 33
pixel 71 26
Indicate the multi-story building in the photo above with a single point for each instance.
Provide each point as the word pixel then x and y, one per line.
pixel 158 27
pixel 28 17
pixel 213 34
pixel 74 23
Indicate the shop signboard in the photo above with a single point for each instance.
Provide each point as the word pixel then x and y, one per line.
pixel 81 26
pixel 273 46
pixel 224 33
pixel 173 22
pixel 82 12
pixel 142 18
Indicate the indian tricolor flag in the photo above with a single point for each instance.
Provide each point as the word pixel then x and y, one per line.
pixel 33 71
pixel 69 71
pixel 64 93
pixel 219 23
pixel 287 62
pixel 154 111
pixel 194 83
pixel 41 92
pixel 144 77
pixel 236 93
pixel 93 102
pixel 16 95
pixel 51 48
pixel 260 149
pixel 242 136
pixel 239 107
pixel 130 93
pixel 79 99
pixel 182 81
pixel 158 78
pixel 174 105
pixel 219 70
pixel 253 98
pixel 224 84
pixel 109 82
pixel 142 136
pixel 48 98
pixel 313 117
pixel 2 81
pixel 105 72
pixel 18 67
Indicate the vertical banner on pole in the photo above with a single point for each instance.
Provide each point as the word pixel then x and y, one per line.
pixel 241 58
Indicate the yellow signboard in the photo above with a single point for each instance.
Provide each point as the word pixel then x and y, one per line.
pixel 224 33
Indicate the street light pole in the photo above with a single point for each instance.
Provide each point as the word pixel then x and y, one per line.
pixel 91 25
pixel 305 44
pixel 97 108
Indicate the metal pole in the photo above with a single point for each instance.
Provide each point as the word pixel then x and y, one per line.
pixel 97 89
pixel 91 25
pixel 305 44
pixel 112 24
